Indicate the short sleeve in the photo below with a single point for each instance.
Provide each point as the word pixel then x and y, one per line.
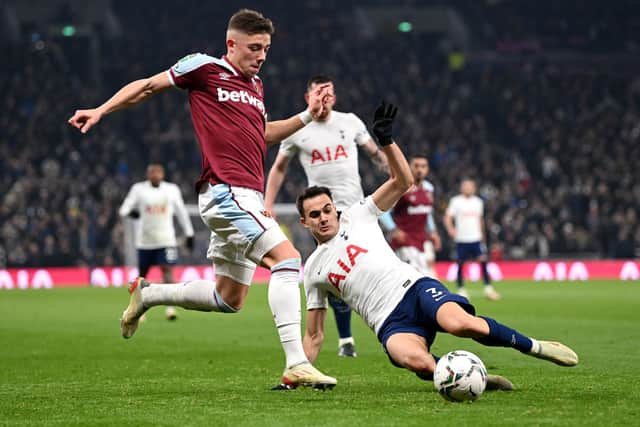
pixel 365 211
pixel 190 72
pixel 451 208
pixel 362 135
pixel 288 147
pixel 316 296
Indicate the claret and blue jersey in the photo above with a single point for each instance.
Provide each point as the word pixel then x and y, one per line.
pixel 229 118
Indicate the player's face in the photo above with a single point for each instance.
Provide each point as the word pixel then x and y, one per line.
pixel 320 217
pixel 468 188
pixel 419 168
pixel 247 52
pixel 328 102
pixel 155 174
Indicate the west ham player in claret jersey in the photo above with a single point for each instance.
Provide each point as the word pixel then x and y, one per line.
pixel 328 151
pixel 229 118
pixel 405 309
pixel 413 232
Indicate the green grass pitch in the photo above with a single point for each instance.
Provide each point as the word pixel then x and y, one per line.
pixel 64 363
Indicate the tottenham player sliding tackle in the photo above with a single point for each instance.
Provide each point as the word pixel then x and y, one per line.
pixel 404 309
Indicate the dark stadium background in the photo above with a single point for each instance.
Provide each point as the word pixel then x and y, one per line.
pixel 539 101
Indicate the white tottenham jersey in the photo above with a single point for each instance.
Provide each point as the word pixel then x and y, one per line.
pixel 358 266
pixel 467 212
pixel 329 155
pixel 157 206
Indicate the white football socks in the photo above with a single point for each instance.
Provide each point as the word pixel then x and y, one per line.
pixel 194 295
pixel 343 341
pixel 284 300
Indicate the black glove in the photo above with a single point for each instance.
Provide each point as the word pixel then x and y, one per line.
pixel 383 123
pixel 135 214
pixel 190 243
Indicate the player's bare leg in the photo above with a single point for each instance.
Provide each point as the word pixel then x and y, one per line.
pixel 170 312
pixel 284 300
pixel 410 351
pixel 231 291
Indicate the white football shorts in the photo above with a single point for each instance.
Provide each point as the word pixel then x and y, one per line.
pixel 414 257
pixel 242 231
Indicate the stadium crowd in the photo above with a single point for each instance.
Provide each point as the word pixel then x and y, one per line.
pixel 552 145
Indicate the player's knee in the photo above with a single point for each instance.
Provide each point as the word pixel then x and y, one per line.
pixel 418 363
pixel 293 253
pixel 285 251
pixel 414 360
pixel 460 326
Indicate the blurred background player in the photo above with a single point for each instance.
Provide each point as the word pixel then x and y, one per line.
pixel 464 220
pixel 413 233
pixel 327 150
pixel 226 99
pixel 154 202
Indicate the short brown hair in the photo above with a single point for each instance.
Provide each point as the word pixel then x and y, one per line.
pixel 419 156
pixel 250 22
pixel 309 193
pixel 318 79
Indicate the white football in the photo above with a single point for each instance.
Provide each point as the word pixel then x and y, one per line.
pixel 460 376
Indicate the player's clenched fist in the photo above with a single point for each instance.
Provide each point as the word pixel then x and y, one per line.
pixel 85 119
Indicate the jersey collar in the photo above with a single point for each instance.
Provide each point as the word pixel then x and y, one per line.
pixel 236 72
pixel 229 66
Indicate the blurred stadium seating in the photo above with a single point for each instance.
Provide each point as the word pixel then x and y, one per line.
pixel 539 102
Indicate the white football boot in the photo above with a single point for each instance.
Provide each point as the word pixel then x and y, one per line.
pixel 555 352
pixel 463 292
pixel 170 313
pixel 491 293
pixel 306 375
pixel 131 316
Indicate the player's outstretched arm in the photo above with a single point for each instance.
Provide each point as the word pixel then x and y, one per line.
pixel 274 180
pixel 314 333
pixel 131 94
pixel 377 155
pixel 278 130
pixel 400 179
